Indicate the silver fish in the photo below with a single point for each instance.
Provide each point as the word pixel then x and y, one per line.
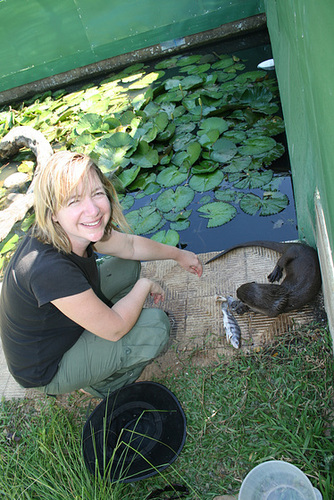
pixel 232 329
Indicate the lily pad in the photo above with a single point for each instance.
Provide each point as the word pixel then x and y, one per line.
pixel 257 146
pixel 128 175
pixel 272 203
pixel 171 176
pixel 223 150
pixel 218 213
pixel 144 220
pixel 214 123
pixel 206 182
pixel 251 179
pixel 169 237
pixel 175 200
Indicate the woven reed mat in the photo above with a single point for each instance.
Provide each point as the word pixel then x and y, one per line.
pixel 197 324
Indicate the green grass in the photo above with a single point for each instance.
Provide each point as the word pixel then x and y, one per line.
pixel 273 404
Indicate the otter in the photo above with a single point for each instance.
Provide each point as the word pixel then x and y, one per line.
pixel 301 284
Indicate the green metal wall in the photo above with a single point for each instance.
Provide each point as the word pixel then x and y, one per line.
pixel 302 38
pixel 41 38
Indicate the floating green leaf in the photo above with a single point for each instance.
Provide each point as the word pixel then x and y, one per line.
pixel 206 182
pixel 257 146
pixel 128 176
pixel 144 220
pixel 175 200
pixel 218 213
pixel 223 150
pixel 273 203
pixel 169 237
pixel 171 176
pixel 145 156
pixel 214 123
pixel 251 179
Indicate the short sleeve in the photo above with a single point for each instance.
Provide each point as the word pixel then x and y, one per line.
pixel 57 277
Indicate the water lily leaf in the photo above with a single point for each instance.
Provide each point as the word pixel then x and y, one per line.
pixel 152 188
pixel 117 140
pixel 145 156
pixel 269 126
pixel 128 176
pixel 238 164
pixel 180 225
pixel 205 199
pixel 177 216
pixel 205 167
pixel 190 82
pixel 185 61
pixel 257 145
pixel 182 142
pixel 209 138
pixel 127 202
pixel 170 237
pixel 168 63
pixel 134 68
pixel 225 195
pixel 206 182
pixel 171 96
pixel 214 123
pixel 175 200
pixel 223 150
pixel 251 76
pixel 171 176
pixel 250 203
pixel 180 158
pixel 90 122
pixel 218 213
pixel 250 179
pixel 151 109
pixel 168 133
pixel 173 83
pixel 223 63
pixel 197 70
pixel 144 180
pixel 161 121
pixel 194 150
pixel 110 122
pixel 144 220
pixel 274 154
pixel 236 136
pixel 273 203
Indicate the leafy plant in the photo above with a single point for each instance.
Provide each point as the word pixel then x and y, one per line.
pixel 194 123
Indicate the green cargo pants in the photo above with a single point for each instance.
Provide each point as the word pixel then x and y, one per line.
pixel 101 366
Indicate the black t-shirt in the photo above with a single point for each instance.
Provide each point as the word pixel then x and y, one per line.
pixel 35 334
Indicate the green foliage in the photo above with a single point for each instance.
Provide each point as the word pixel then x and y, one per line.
pixel 207 126
pixel 273 403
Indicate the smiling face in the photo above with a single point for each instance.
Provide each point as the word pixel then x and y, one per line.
pixel 85 214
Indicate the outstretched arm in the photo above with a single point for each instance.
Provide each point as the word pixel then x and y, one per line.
pixel 88 311
pixel 130 246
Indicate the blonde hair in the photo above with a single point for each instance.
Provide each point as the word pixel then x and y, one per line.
pixel 53 184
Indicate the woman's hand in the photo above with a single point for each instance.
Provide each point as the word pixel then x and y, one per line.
pixel 190 262
pixel 156 292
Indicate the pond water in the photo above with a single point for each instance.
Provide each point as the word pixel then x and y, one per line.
pixel 279 227
pixel 250 50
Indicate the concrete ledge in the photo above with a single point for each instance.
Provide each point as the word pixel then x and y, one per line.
pixel 225 31
pixel 326 262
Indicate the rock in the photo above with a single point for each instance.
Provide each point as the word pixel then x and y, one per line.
pixel 17 179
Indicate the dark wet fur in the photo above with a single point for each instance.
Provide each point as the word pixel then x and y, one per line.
pixel 300 285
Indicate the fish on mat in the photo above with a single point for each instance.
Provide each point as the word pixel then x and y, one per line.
pixel 232 329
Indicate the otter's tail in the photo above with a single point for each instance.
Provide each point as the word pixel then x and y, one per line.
pixel 272 245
